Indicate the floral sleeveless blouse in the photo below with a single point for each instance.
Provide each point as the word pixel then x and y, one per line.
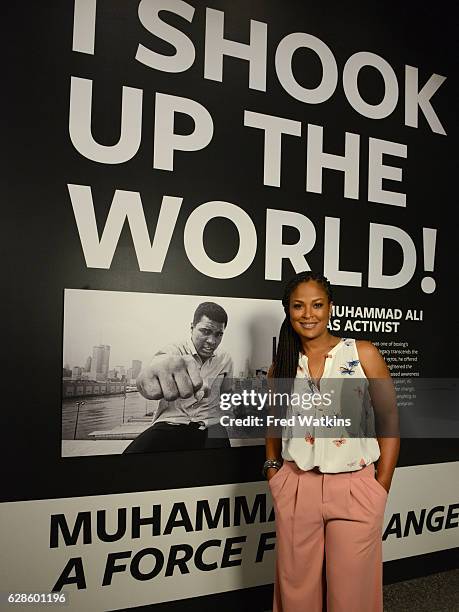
pixel 326 443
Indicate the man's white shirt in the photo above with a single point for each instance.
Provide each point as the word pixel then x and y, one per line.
pixel 213 372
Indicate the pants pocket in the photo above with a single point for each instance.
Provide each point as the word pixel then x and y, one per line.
pixel 276 475
pixel 378 486
pixel 276 483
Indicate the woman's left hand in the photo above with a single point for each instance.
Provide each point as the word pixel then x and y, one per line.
pixel 383 482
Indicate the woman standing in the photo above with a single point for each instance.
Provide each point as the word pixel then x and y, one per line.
pixel 329 499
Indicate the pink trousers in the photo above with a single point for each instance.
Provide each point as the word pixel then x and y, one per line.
pixel 329 540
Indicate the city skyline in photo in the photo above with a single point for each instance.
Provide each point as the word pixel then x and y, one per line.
pixel 137 325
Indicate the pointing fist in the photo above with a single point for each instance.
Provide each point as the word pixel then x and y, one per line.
pixel 172 377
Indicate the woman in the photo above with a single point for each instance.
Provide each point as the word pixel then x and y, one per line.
pixel 329 504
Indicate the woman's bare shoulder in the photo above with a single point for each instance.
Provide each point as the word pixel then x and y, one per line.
pixel 367 348
pixel 371 359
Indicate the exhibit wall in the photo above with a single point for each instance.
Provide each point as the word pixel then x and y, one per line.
pixel 162 154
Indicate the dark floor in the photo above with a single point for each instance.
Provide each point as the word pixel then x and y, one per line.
pixel 435 593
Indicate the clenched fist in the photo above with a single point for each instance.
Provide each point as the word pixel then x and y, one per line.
pixel 172 377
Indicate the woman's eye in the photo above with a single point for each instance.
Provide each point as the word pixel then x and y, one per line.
pixel 297 306
pixel 318 305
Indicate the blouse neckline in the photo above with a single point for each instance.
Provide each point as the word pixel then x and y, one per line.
pixel 330 352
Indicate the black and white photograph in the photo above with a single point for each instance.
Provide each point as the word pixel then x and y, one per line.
pixel 112 340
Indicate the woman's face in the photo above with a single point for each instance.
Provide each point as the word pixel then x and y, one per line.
pixel 309 310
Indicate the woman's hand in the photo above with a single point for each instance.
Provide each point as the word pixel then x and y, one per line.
pixel 384 482
pixel 270 473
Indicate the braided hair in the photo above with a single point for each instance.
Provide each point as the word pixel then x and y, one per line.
pixel 289 345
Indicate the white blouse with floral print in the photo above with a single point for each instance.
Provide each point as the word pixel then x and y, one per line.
pixel 325 443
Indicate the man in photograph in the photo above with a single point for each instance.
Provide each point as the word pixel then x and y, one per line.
pixel 188 378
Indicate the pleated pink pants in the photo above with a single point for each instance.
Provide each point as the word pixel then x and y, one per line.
pixel 329 540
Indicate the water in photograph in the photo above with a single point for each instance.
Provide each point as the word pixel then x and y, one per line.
pixel 101 413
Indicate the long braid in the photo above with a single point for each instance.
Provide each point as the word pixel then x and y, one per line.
pixel 289 345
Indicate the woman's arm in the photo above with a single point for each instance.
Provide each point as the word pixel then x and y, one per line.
pixel 273 443
pixel 384 402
